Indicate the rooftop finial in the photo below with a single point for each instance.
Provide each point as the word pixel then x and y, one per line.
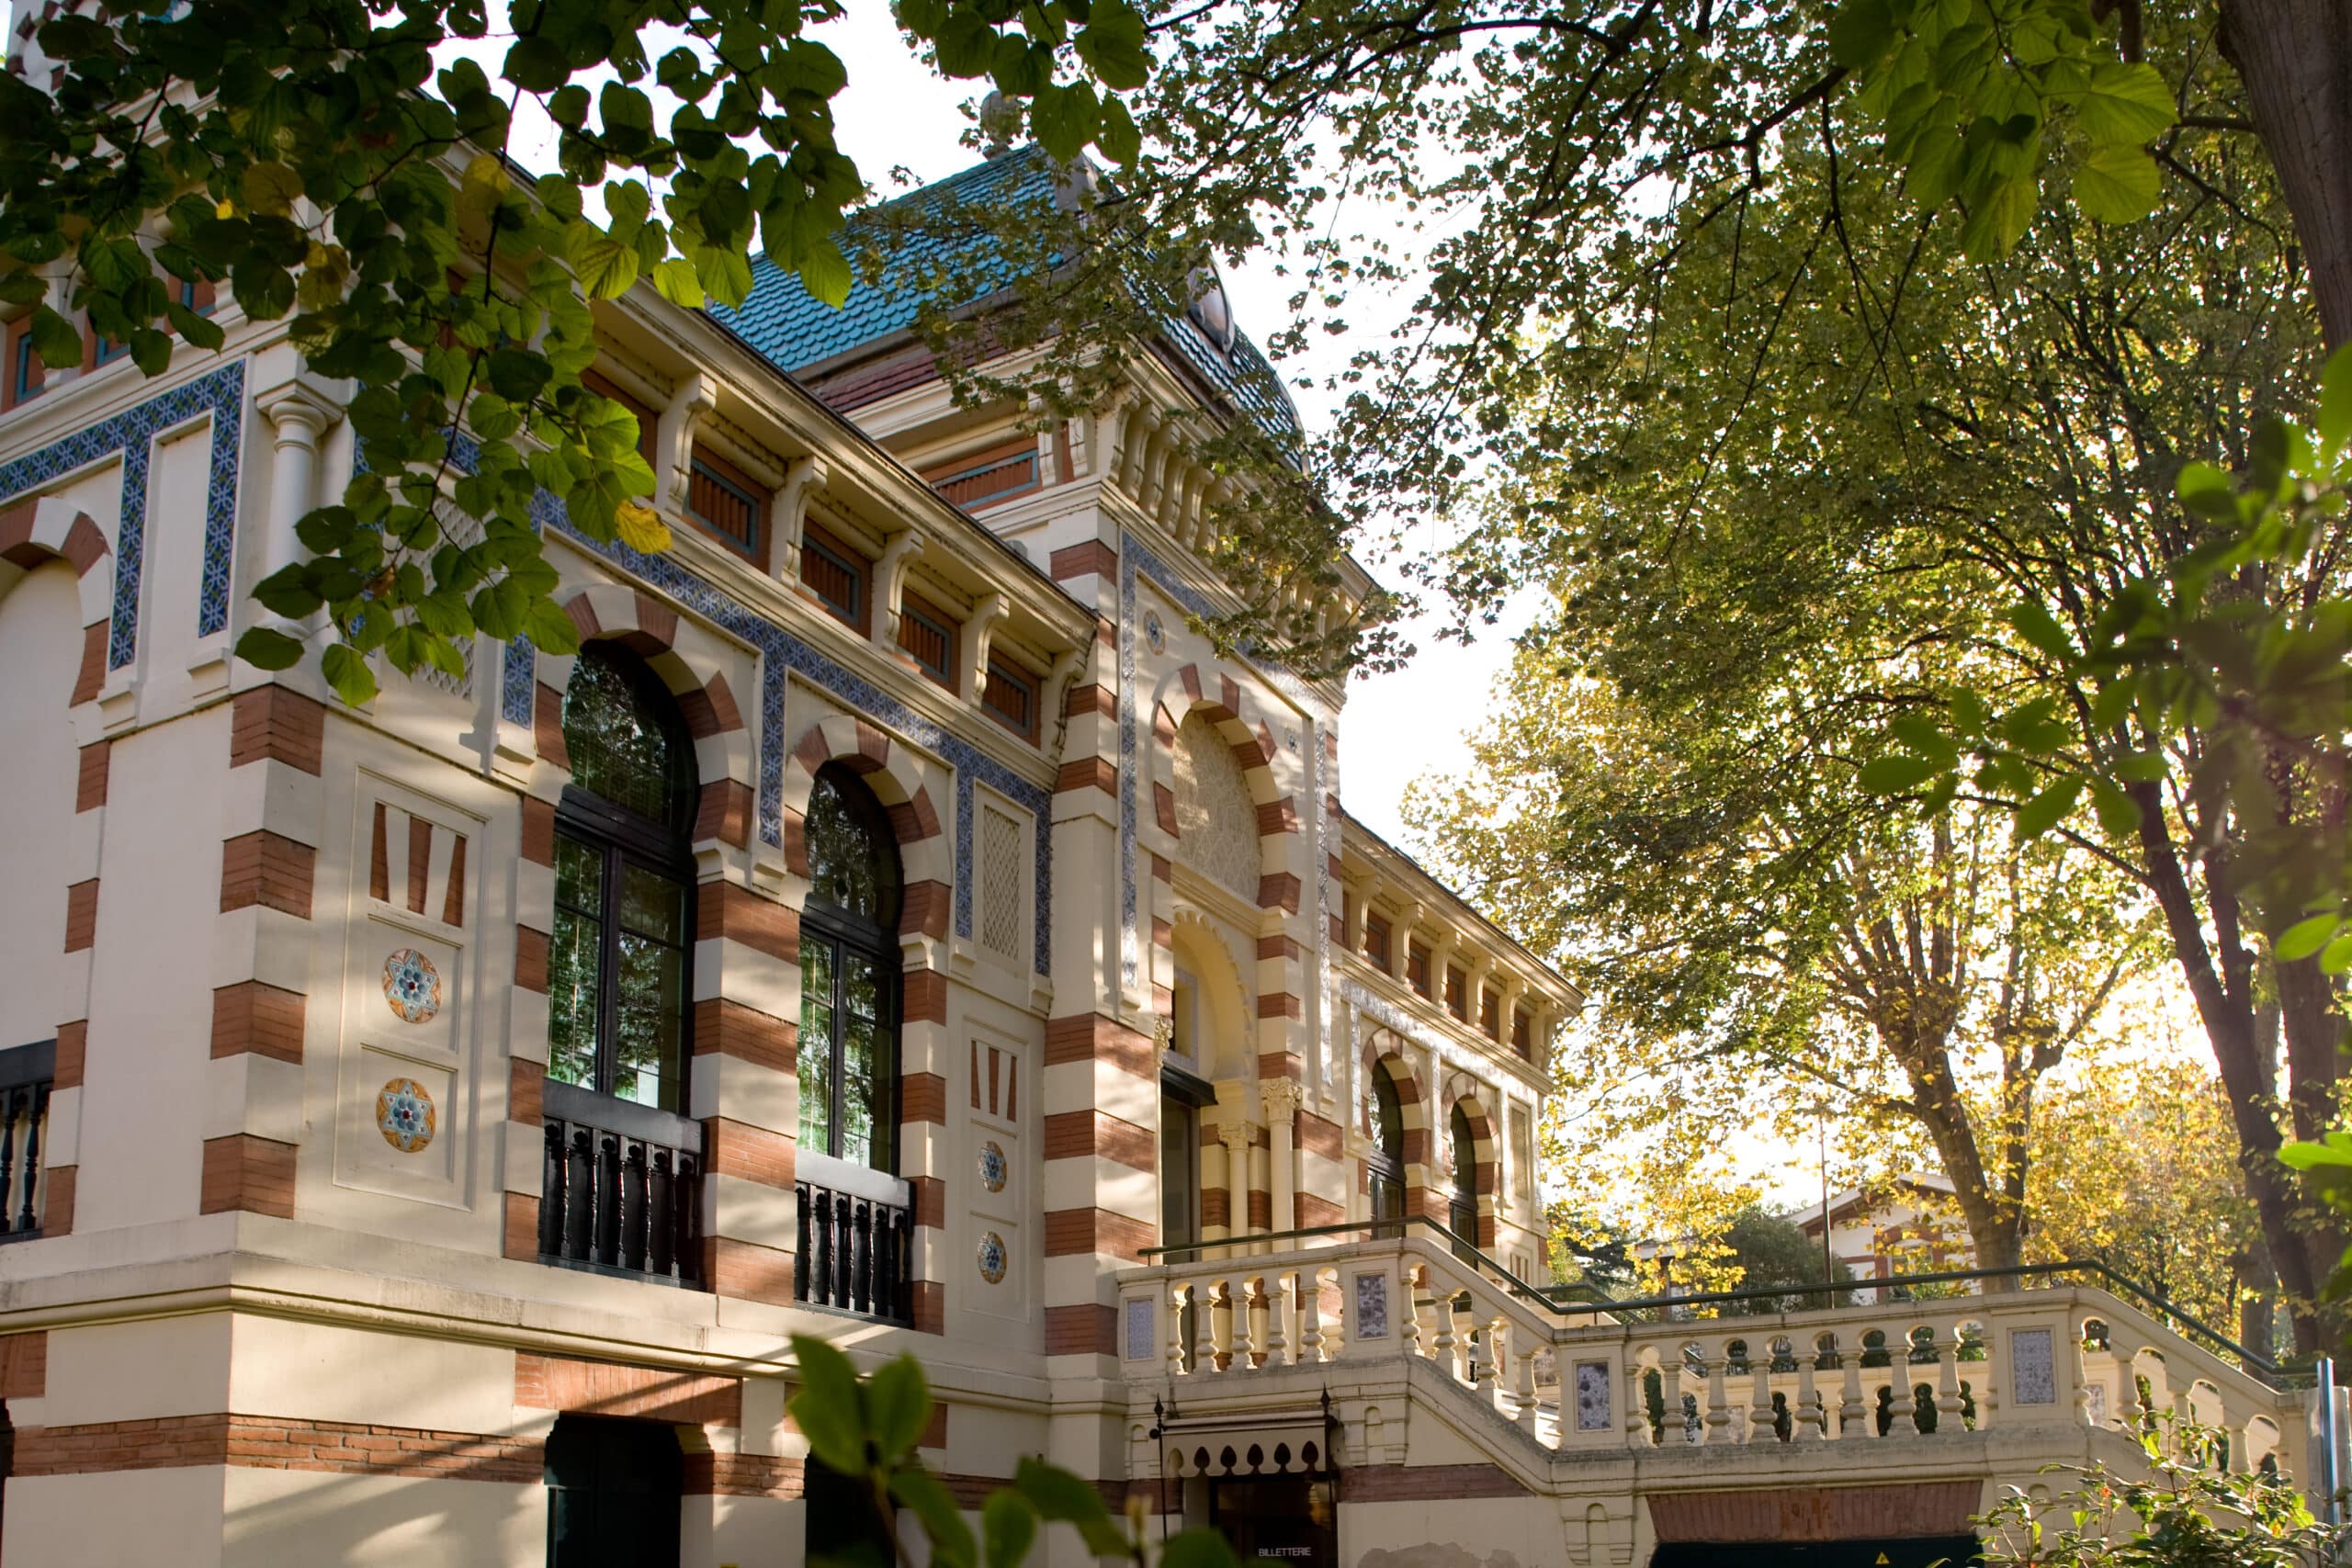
pixel 999 123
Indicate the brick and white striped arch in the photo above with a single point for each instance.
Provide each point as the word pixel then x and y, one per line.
pixel 1460 1088
pixel 44 528
pixel 1384 1052
pixel 688 661
pixel 1252 744
pixel 895 776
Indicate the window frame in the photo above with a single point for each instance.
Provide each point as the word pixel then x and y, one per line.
pixel 845 931
pixel 926 614
pixel 1490 1013
pixel 1523 1033
pixel 940 477
pixel 26 373
pixel 1373 919
pixel 1418 957
pixel 704 463
pixel 821 542
pixel 620 837
pixel 1457 992
pixel 1002 670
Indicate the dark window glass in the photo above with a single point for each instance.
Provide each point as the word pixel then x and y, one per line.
pixel 849 974
pixel 619 982
pixel 1522 1032
pixel 1011 697
pixel 1417 966
pixel 835 576
pixel 613 1493
pixel 1384 1162
pixel 1376 940
pixel 1462 1206
pixel 1457 993
pixel 1490 1013
pixel 26 370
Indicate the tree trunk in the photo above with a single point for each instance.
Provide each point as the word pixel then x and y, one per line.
pixel 2295 58
pixel 2315 1035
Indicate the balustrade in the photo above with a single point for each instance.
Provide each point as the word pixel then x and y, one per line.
pixel 1570 1377
pixel 26 1074
pixel 855 1248
pixel 621 1188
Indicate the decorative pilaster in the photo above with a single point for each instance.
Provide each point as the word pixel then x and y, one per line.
pixel 1282 1097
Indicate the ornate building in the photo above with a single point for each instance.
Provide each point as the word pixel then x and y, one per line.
pixel 427 1123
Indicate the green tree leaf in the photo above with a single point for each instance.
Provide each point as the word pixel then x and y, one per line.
pixel 346 671
pixel 1894 772
pixel 2117 185
pixel 2306 937
pixel 1062 1497
pixel 942 1521
pixel 897 1406
pixel 829 1408
pixel 2125 105
pixel 55 339
pixel 267 650
pixel 1008 1526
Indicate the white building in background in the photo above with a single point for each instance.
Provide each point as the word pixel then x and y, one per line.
pixel 1904 1224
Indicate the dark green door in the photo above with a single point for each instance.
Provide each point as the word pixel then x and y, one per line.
pixel 612 1489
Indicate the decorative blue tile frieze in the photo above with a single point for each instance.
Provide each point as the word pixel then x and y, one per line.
pixel 515 684
pixel 221 394
pixel 784 654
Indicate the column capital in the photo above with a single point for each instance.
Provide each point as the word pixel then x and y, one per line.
pixel 1235 1136
pixel 1282 1097
pixel 302 405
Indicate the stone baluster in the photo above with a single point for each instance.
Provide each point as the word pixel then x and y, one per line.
pixel 1948 1404
pixel 1310 1318
pixel 1672 1366
pixel 1204 1309
pixel 1762 1422
pixel 1853 1412
pixel 1718 1375
pixel 1637 1403
pixel 1806 1418
pixel 1445 1348
pixel 1278 1293
pixel 2131 1411
pixel 1523 1347
pixel 1178 1297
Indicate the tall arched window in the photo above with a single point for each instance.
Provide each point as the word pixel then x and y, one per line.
pixel 1461 1203
pixel 849 974
pixel 1384 1162
pixel 618 987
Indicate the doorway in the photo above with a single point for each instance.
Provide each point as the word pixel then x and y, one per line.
pixel 1285 1519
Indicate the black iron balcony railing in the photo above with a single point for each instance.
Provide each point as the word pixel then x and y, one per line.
pixel 27 1075
pixel 621 1188
pixel 855 1251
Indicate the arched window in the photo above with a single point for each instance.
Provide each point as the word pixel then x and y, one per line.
pixel 1385 1163
pixel 1461 1203
pixel 849 974
pixel 619 986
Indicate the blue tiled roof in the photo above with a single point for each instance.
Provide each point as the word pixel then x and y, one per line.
pixel 781 321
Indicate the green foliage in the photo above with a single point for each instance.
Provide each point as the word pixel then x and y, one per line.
pixel 345 168
pixel 2186 1508
pixel 1772 1251
pixel 2204 647
pixel 868 1428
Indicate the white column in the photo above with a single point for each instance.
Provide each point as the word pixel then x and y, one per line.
pixel 300 412
pixel 1235 1136
pixel 1282 1097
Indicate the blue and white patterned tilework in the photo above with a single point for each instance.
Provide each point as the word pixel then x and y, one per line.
pixel 221 395
pixel 514 686
pixel 782 654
